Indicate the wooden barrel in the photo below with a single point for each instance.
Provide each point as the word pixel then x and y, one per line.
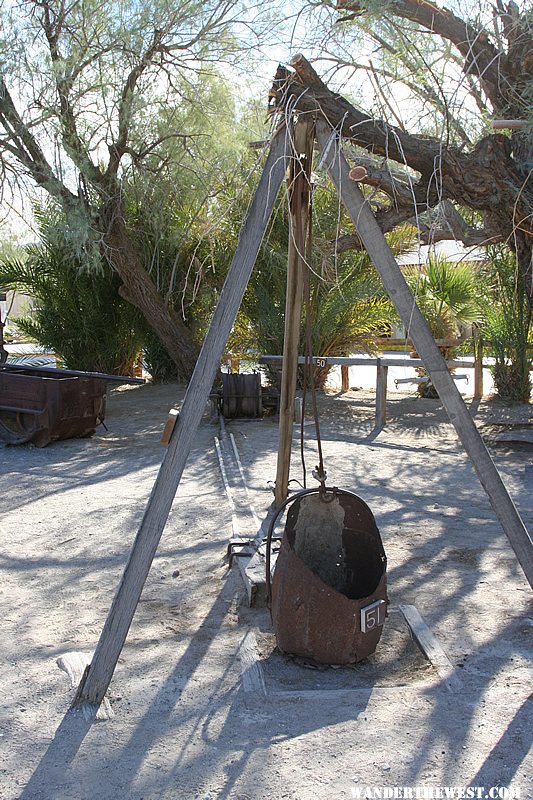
pixel 241 395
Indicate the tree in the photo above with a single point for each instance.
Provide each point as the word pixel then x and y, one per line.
pixel 76 314
pixel 92 97
pixel 507 325
pixel 429 176
pixel 448 297
pixel 348 304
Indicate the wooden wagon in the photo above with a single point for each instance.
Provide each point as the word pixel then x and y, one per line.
pixel 42 404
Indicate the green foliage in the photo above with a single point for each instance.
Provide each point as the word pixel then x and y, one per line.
pixel 78 314
pixel 507 328
pixel 168 235
pixel 348 303
pixel 157 361
pixel 447 295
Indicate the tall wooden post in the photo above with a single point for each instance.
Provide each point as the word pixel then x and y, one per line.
pixel 345 378
pixel 98 676
pixel 299 200
pixel 478 367
pixel 405 304
pixel 382 374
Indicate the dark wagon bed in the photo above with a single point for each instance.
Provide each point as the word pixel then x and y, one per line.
pixel 41 404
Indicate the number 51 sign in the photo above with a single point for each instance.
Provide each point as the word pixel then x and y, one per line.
pixel 373 616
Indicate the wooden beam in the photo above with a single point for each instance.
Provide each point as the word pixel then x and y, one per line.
pixel 93 688
pixel 299 199
pixel 364 361
pixel 513 124
pixel 382 374
pixel 431 648
pixel 170 424
pixel 405 304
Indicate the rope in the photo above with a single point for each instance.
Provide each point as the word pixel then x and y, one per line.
pixel 319 472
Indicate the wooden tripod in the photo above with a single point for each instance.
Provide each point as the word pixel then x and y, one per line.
pixel 99 673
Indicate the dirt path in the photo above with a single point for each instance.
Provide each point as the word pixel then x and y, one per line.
pixel 186 724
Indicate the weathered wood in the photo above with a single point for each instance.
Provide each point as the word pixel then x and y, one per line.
pixel 118 621
pixel 358 173
pixel 431 647
pixel 170 424
pixel 243 480
pixel 360 361
pixel 75 665
pixel 299 199
pixel 345 378
pixel 382 374
pixel 54 372
pixel 253 679
pixel 478 370
pixel 515 124
pixel 235 527
pixel 405 304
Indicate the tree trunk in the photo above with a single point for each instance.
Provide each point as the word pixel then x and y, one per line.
pixel 139 290
pixel 523 247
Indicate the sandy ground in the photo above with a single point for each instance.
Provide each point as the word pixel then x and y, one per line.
pixel 186 724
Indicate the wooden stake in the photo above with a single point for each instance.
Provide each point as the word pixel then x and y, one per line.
pixel 345 378
pixel 93 688
pixel 299 199
pixel 382 374
pixel 405 304
pixel 478 368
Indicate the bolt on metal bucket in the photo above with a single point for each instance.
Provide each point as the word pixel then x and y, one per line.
pixel 328 594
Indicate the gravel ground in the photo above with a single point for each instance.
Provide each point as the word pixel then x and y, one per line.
pixel 186 725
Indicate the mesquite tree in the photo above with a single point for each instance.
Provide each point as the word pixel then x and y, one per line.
pixel 88 93
pixel 436 165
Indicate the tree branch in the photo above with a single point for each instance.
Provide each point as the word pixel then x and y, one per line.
pixel 377 136
pixel 481 57
pixel 52 25
pixel 21 144
pixel 118 148
pixel 486 179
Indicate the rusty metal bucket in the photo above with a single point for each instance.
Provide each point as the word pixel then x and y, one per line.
pixel 328 595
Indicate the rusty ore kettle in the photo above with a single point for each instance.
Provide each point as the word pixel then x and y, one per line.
pixel 328 595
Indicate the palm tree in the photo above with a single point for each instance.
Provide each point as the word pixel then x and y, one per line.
pixel 506 327
pixel 349 306
pixel 447 295
pixel 77 313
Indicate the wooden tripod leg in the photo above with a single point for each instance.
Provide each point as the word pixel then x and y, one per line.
pixel 98 678
pixel 405 304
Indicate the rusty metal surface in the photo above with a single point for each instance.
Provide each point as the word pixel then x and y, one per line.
pixel 40 408
pixel 330 566
pixel 54 372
